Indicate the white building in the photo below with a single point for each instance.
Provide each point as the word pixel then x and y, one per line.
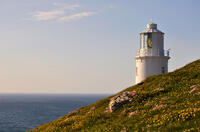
pixel 151 58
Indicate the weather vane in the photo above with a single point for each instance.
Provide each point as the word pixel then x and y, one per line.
pixel 151 20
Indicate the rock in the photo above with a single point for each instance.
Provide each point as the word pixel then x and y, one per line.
pixel 164 98
pixel 133 113
pixel 158 107
pixel 73 112
pixel 67 119
pixel 91 109
pixel 159 89
pixel 148 103
pixel 121 99
pixel 123 112
pixel 194 88
pixel 134 94
pixel 140 89
pixel 107 110
pixel 124 130
pixel 198 93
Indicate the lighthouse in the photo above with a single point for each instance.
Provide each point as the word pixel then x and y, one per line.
pixel 151 58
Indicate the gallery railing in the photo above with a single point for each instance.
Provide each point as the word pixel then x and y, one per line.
pixel 152 52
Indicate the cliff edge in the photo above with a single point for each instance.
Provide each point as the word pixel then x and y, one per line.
pixel 167 102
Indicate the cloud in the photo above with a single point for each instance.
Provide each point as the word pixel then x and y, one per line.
pixel 67 6
pixel 59 13
pixel 76 16
pixel 111 6
pixel 48 15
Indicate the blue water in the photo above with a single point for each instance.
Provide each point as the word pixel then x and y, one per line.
pixel 21 112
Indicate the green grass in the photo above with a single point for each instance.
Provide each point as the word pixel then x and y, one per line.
pixel 180 111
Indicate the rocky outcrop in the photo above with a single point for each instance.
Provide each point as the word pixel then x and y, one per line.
pixel 121 99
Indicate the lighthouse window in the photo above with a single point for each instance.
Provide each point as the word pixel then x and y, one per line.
pixel 148 40
pixel 163 69
pixel 141 42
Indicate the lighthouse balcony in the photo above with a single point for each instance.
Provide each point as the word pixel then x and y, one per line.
pixel 153 52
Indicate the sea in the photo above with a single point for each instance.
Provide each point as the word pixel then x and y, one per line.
pixel 21 112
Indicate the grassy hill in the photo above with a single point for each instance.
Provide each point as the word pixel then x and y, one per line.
pixel 167 102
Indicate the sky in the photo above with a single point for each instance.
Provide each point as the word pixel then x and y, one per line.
pixel 88 46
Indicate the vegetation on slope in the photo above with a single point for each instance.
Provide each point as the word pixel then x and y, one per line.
pixel 167 102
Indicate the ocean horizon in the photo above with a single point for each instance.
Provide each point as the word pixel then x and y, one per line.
pixel 21 112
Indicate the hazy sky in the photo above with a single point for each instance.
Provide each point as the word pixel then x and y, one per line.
pixel 87 46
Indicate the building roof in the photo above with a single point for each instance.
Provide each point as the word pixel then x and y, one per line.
pixel 152 28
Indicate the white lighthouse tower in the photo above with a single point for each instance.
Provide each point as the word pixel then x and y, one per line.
pixel 151 58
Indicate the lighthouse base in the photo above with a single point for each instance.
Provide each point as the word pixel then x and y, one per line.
pixel 150 65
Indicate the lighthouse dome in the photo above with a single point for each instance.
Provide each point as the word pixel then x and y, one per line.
pixel 152 28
